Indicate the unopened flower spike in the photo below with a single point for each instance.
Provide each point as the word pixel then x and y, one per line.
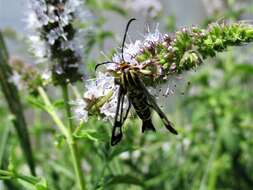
pixel 55 38
pixel 159 56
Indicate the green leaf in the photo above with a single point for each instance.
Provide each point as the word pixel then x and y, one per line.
pixel 59 104
pixel 36 102
pixel 117 150
pixel 123 179
pixel 91 134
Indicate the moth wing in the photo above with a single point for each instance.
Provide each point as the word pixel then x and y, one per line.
pixel 153 104
pixel 119 119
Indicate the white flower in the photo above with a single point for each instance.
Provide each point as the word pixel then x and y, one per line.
pixel 149 8
pixel 80 110
pixel 103 85
pixel 109 108
pixel 133 48
pixel 43 13
pixel 117 58
pixel 32 21
pixel 16 79
pixel 99 87
pixel 38 46
pixel 72 5
pixel 54 34
pixel 155 37
pixel 40 8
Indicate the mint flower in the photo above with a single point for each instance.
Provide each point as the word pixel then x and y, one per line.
pixel 100 98
pixel 54 37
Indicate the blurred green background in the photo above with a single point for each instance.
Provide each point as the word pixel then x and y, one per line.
pixel 214 114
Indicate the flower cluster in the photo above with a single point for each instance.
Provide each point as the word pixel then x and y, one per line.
pixel 95 99
pixel 159 57
pixel 55 37
pixel 26 76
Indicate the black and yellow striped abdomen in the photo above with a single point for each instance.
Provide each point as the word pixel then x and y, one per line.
pixel 140 103
pixel 138 98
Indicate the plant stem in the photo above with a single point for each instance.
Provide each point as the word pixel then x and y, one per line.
pixel 77 164
pixel 67 106
pixel 7 175
pixel 50 110
pixel 73 146
pixel 66 132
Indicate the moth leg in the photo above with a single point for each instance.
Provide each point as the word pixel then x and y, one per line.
pixel 117 127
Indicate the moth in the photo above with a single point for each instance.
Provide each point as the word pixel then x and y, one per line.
pixel 132 87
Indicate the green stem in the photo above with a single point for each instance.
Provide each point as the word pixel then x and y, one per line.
pixel 50 110
pixel 66 132
pixel 77 165
pixel 67 106
pixel 7 175
pixel 72 144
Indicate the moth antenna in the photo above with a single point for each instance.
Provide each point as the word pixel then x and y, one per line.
pixel 125 35
pixel 106 62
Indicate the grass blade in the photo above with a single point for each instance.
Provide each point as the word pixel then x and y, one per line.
pixel 11 95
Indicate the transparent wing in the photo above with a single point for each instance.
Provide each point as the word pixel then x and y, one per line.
pixel 119 118
pixel 153 104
